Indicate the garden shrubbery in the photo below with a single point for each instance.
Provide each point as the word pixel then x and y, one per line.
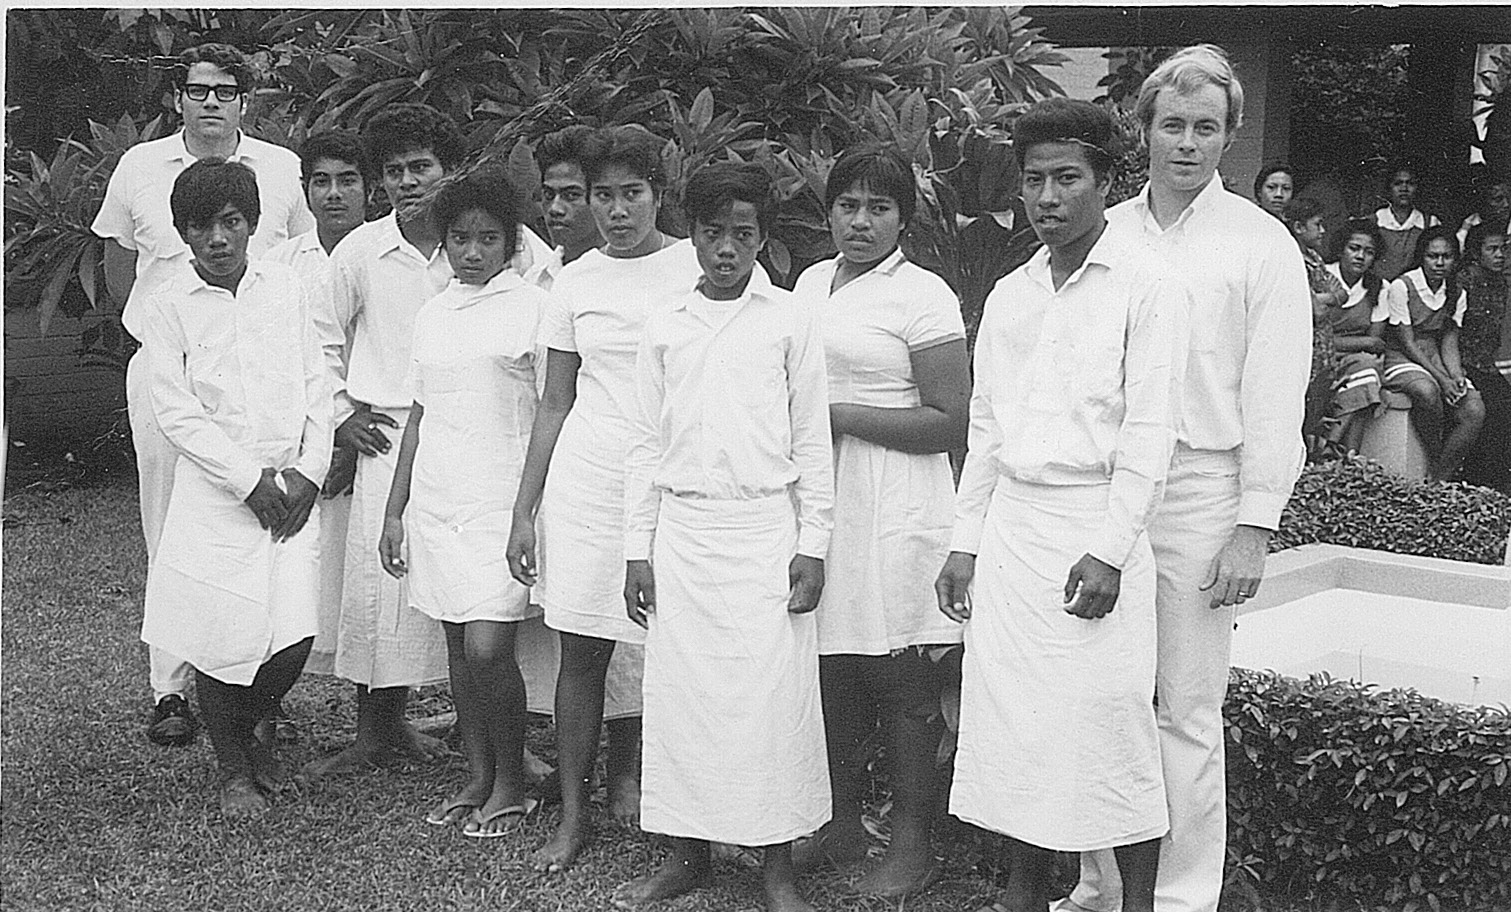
pixel 1339 792
pixel 1352 501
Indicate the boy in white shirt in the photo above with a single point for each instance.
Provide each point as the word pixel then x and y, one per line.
pixel 730 473
pixel 238 388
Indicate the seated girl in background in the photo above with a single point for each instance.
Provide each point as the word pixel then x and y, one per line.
pixel 1358 330
pixel 1485 352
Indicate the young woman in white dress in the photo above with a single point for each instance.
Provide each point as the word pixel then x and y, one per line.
pixel 474 391
pixel 899 393
pixel 591 331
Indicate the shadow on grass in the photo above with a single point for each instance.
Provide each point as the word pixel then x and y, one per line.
pixel 95 817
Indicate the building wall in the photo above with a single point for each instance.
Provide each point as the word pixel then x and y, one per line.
pixel 50 394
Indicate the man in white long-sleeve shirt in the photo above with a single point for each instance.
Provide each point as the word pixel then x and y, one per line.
pixel 1239 449
pixel 143 250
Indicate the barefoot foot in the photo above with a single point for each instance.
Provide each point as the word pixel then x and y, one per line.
pixel 356 757
pixel 786 899
pixel 837 844
pixel 898 874
pixel 241 799
pixel 267 770
pixel 672 879
pixel 624 800
pixel 570 838
pixel 411 743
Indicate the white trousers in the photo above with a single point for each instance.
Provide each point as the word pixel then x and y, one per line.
pixel 155 459
pixel 1191 680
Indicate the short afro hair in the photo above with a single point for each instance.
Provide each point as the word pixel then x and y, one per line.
pixel 407 127
pixel 222 56
pixel 338 145
pixel 207 187
pixel 712 187
pixel 487 189
pixel 1063 120
pixel 1365 226
pixel 880 169
pixel 564 147
pixel 631 147
pixel 1302 209
pixel 1478 234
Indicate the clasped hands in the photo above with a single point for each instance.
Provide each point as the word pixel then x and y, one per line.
pixel 282 510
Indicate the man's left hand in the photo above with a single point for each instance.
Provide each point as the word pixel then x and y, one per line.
pixel 1098 582
pixel 805 575
pixel 301 499
pixel 1237 569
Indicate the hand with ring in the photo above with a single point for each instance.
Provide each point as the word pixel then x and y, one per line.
pixel 360 432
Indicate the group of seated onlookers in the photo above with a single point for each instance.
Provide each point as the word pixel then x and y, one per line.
pixel 1402 302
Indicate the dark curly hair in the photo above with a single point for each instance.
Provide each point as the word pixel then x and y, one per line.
pixel 406 127
pixel 487 189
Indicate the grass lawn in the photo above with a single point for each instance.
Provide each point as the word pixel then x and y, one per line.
pixel 95 817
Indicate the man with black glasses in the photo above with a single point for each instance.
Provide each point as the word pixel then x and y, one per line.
pixel 142 249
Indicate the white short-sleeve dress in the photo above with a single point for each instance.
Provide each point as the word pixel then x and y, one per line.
pixel 892 510
pixel 598 309
pixel 474 372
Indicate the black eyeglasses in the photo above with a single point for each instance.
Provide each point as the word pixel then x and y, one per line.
pixel 198 91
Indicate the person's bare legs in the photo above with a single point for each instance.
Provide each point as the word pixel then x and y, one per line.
pixel 458 807
pixel 1468 418
pixel 1139 865
pixel 780 880
pixel 499 697
pixel 1030 870
pixel 382 732
pixel 579 719
pixel 1426 414
pixel 850 708
pixel 914 728
pixel 623 768
pixel 688 868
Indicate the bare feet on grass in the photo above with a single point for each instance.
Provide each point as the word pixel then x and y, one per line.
pixel 679 875
pixel 356 757
pixel 558 854
pixel 838 843
pixel 624 799
pixel 241 799
pixel 412 744
pixel 901 872
pixel 785 898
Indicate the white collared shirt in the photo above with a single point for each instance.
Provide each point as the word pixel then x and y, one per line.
pixel 136 213
pixel 1251 336
pixel 875 322
pixel 379 281
pixel 1386 219
pixel 1398 299
pixel 237 381
pixel 732 405
pixel 1078 386
pixel 1357 293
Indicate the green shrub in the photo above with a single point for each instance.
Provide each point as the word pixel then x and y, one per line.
pixel 1355 502
pixel 1338 792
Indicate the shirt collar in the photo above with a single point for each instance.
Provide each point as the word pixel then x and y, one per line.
pixel 1419 279
pixel 1106 252
pixel 197 283
pixel 393 239
pixel 1386 218
pixel 466 295
pixel 759 286
pixel 1207 197
pixel 181 149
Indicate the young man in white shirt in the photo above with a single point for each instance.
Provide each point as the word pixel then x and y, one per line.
pixel 336 191
pixel 1078 372
pixel 382 273
pixel 730 474
pixel 1238 452
pixel 239 387
pixel 142 249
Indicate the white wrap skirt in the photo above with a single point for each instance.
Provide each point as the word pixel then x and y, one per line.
pixel 1058 743
pixel 221 594
pixel 537 648
pixel 734 730
pixel 382 641
pixel 335 516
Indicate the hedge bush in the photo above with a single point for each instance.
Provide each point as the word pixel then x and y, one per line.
pixel 1353 501
pixel 1339 792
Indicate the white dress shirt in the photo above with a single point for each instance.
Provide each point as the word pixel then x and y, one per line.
pixel 1385 217
pixel 1079 386
pixel 1356 294
pixel 237 380
pixel 1398 299
pixel 1251 336
pixel 136 213
pixel 379 281
pixel 733 405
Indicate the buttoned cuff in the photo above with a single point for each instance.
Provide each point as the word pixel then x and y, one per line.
pixel 1112 545
pixel 1261 508
pixel 813 542
pixel 966 538
pixel 637 545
